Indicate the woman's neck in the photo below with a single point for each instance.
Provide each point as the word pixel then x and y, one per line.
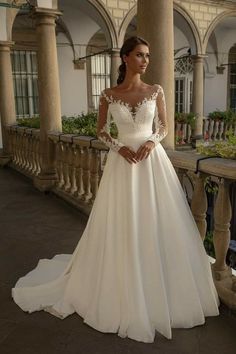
pixel 131 81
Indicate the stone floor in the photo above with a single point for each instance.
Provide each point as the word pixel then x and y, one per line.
pixel 35 225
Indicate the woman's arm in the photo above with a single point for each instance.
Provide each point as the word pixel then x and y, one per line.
pixel 160 127
pixel 103 132
pixel 103 125
pixel 160 120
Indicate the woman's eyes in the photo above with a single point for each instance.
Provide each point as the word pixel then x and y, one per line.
pixel 143 55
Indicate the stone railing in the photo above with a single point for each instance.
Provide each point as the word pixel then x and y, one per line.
pixel 79 165
pixel 212 131
pixel 223 172
pixel 23 146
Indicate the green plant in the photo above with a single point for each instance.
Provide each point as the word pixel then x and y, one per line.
pixel 211 186
pixel 227 116
pixel 83 124
pixel 29 122
pixel 186 118
pixel 226 149
pixel 208 244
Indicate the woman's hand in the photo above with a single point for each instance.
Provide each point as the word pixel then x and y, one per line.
pixel 144 150
pixel 128 154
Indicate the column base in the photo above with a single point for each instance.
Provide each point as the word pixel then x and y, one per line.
pixel 196 140
pixel 45 182
pixel 4 159
pixel 225 283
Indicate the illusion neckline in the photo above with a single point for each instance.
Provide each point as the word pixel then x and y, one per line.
pixel 133 109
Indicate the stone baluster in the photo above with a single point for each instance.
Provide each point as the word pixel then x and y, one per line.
pixel 34 165
pixel 211 128
pixel 199 204
pixel 215 130
pixel 36 133
pixel 66 177
pixel 85 173
pixel 60 165
pixel 85 161
pixel 94 172
pixel 206 129
pixel 17 148
pixel 73 169
pixel 21 146
pixel 221 130
pixel 189 133
pixel 222 217
pixel 28 133
pixel 78 168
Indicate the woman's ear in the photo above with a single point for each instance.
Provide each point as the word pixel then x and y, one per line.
pixel 124 58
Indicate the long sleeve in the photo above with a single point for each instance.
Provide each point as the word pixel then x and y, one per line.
pixel 160 120
pixel 103 125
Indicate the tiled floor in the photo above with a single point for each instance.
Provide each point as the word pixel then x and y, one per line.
pixel 34 225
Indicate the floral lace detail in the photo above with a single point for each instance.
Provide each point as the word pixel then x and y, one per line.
pixel 160 125
pixel 104 132
pixel 132 109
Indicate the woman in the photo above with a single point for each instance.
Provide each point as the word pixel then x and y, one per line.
pixel 140 265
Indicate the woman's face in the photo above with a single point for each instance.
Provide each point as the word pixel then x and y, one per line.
pixel 138 60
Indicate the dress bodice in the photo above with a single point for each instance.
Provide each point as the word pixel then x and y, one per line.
pixel 132 121
pixel 146 120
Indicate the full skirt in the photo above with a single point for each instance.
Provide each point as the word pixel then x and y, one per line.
pixel 140 265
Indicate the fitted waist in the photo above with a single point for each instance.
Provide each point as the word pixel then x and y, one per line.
pixel 134 138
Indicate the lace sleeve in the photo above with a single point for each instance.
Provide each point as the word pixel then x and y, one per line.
pixel 103 125
pixel 160 120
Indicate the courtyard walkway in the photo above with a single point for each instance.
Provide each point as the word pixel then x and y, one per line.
pixel 34 225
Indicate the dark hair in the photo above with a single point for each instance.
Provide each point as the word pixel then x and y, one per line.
pixel 127 47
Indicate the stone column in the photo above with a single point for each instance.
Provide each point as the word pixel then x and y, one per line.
pixel 198 94
pixel 49 94
pixel 7 100
pixel 115 63
pixel 155 24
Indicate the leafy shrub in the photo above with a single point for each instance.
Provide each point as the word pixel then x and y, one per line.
pixel 226 149
pixel 84 124
pixel 228 116
pixel 188 118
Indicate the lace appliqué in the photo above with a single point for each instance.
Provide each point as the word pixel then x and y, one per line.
pixel 160 128
pixel 104 133
pixel 132 109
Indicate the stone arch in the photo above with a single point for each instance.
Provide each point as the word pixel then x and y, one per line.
pixel 193 37
pixel 108 23
pixel 125 23
pixel 214 24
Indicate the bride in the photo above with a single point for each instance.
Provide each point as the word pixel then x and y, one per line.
pixel 140 265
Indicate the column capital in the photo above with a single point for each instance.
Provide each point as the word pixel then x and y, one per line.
pixel 45 16
pixel 115 51
pixel 198 57
pixel 6 46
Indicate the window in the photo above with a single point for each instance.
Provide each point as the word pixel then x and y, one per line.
pixel 232 79
pixel 232 88
pixel 183 94
pixel 179 95
pixel 100 74
pixel 25 80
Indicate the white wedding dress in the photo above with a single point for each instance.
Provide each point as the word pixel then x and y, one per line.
pixel 140 265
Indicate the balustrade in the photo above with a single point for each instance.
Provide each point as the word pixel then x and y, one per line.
pixel 212 131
